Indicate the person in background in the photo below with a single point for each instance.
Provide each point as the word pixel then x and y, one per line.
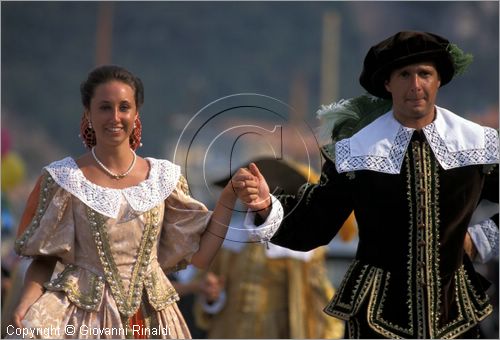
pixel 251 291
pixel 188 288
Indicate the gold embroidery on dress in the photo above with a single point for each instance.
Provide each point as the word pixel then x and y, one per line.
pixel 179 266
pixel 183 185
pixel 159 295
pixel 86 300
pixel 127 303
pixel 46 193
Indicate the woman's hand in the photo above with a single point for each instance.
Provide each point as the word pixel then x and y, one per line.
pixel 39 271
pixel 19 313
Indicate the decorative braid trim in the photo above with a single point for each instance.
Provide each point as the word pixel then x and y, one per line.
pixel 47 190
pixel 66 281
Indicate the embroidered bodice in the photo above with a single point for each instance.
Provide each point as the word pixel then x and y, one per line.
pixel 115 242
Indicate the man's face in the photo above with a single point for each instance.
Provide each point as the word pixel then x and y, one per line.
pixel 414 88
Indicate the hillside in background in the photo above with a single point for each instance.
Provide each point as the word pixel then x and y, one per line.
pixel 189 54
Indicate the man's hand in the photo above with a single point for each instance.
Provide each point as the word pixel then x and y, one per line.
pixel 469 247
pixel 252 189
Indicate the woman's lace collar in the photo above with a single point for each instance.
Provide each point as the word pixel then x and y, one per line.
pixel 381 146
pixel 162 180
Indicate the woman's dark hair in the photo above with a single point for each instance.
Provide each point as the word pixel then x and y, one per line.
pixel 103 74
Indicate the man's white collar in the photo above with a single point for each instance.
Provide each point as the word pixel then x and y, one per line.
pixel 381 146
pixel 161 182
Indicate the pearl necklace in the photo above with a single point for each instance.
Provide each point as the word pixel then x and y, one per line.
pixel 111 173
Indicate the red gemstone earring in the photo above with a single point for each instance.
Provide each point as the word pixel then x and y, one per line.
pixel 135 136
pixel 87 133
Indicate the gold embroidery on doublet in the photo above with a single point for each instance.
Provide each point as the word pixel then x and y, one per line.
pixel 355 286
pixel 424 296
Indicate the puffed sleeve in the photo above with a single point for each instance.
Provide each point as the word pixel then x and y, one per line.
pixel 184 222
pixel 51 229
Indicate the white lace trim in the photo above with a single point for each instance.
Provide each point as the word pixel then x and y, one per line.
pixel 381 146
pixel 490 229
pixel 162 180
pixel 447 134
pixel 382 150
pixel 266 230
pixel 485 238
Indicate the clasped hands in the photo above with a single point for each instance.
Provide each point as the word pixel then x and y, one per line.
pixel 251 188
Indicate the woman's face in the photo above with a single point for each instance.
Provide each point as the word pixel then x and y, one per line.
pixel 113 112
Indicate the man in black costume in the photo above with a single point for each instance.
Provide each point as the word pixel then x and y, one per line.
pixel 429 168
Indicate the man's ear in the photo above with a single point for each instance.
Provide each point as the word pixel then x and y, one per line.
pixel 387 87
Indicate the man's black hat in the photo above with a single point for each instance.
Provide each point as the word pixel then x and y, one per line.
pixel 405 48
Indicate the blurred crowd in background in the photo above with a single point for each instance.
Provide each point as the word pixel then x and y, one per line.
pixel 190 55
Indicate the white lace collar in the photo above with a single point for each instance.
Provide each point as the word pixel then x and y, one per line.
pixel 162 180
pixel 381 146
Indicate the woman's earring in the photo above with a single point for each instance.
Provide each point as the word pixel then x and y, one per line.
pixel 135 136
pixel 87 134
